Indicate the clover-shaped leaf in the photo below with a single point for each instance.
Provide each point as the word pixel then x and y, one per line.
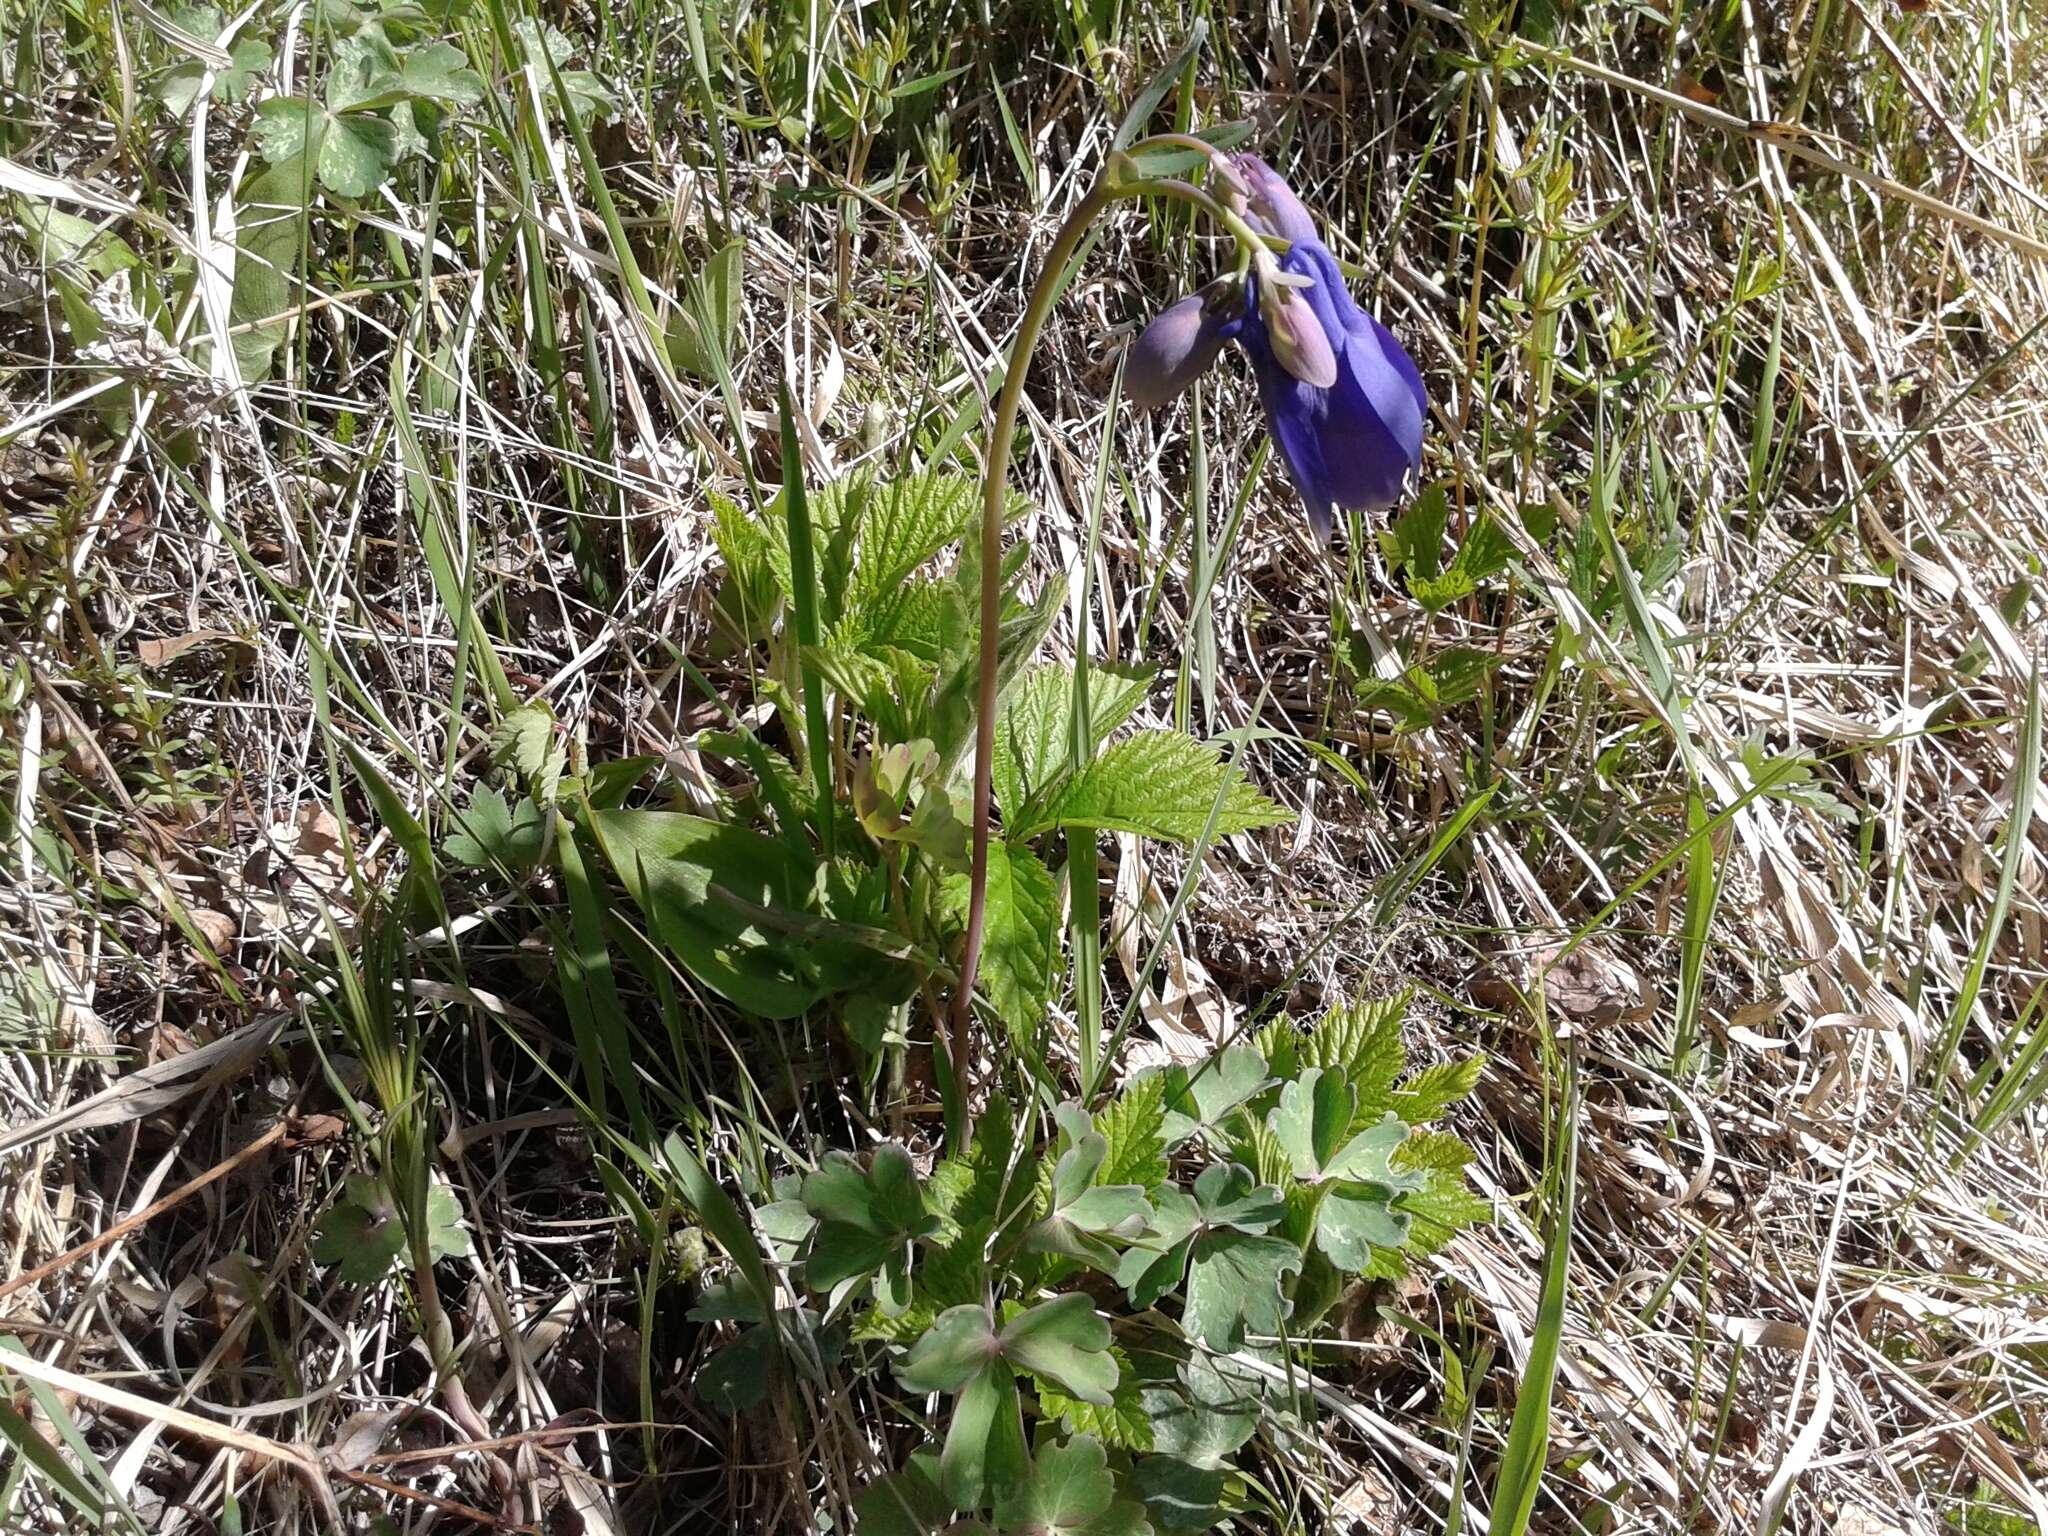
pixel 494 832
pixel 353 153
pixel 867 1220
pixel 906 1503
pixel 1212 1245
pixel 1204 1095
pixel 248 62
pixel 1070 1492
pixel 1086 1216
pixel 363 1233
pixel 1311 1123
pixel 1062 1341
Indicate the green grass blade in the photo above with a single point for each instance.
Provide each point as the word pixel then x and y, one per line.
pixel 1528 1446
pixel 803 577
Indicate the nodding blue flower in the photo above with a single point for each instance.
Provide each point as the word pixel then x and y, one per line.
pixel 1342 398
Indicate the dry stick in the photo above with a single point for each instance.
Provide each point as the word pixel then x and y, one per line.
pixel 148 1213
pixel 1784 136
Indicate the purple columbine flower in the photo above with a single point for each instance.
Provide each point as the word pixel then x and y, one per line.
pixel 1342 399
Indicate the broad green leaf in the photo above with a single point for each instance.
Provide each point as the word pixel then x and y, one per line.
pixel 270 233
pixel 1206 1418
pixel 736 1376
pixel 1067 1342
pixel 1202 1095
pixel 59 239
pixel 1156 784
pixel 1364 1158
pixel 1180 1495
pixel 906 523
pixel 867 1217
pixel 700 335
pixel 494 833
pixel 906 1503
pixel 958 1347
pixel 984 1450
pixel 352 153
pixel 361 1233
pixel 1312 1120
pixel 1229 1197
pixel 1070 1492
pixel 705 887
pixel 1124 1423
pixel 365 73
pixel 1031 736
pixel 1021 928
pixel 1363 1041
pixel 441 72
pixel 1356 1218
pixel 1234 1287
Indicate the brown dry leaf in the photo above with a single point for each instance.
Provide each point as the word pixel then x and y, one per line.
pixel 361 1436
pixel 217 928
pixel 1689 86
pixel 160 652
pixel 1370 1504
pixel 1861 1520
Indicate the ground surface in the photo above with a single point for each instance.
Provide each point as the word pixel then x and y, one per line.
pixel 1717 796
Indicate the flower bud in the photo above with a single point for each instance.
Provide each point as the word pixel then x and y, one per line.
pixel 1297 338
pixel 1175 350
pixel 1273 202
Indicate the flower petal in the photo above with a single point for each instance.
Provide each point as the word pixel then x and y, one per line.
pixel 1274 202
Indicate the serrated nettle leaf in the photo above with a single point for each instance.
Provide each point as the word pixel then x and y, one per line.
pixel 1132 1127
pixel 1204 1095
pixel 1031 737
pixel 525 742
pixel 1019 936
pixel 1156 784
pixel 1436 1088
pixel 956 1349
pixel 494 833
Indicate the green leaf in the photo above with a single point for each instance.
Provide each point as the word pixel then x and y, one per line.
pixel 867 1218
pixel 706 888
pixel 1031 736
pixel 1363 1041
pixel 701 334
pixel 1234 1287
pixel 352 154
pixel 1125 1422
pixel 525 742
pixel 1134 1148
pixel 365 73
pixel 1200 1097
pixel 493 833
pixel 248 61
pixel 1312 1120
pixel 1156 784
pixel 270 232
pixel 906 523
pixel 958 1347
pixel 984 1449
pixel 1209 1416
pixel 906 1503
pixel 441 72
pixel 1021 927
pixel 1070 1492
pixel 1434 1089
pixel 447 1238
pixel 1180 1495
pixel 737 1376
pixel 361 1233
pixel 1067 1342
pixel 1356 1218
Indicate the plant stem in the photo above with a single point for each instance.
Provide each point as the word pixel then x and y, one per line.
pixel 995 487
pixel 1109 188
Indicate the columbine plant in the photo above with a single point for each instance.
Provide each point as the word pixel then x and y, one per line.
pixel 1341 397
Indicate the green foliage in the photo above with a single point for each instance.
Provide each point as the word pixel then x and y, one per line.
pixel 1414 545
pixel 1157 784
pixel 363 1233
pixel 495 833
